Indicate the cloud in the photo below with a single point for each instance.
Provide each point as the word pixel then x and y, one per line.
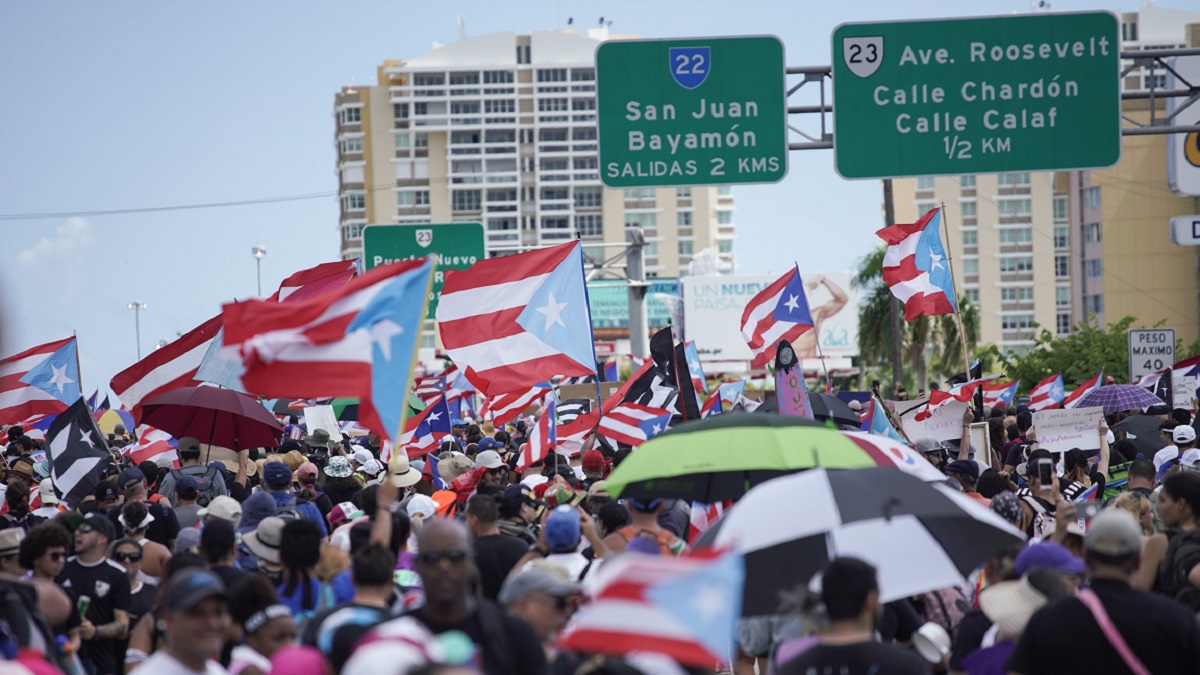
pixel 72 237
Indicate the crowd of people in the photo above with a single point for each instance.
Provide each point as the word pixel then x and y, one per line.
pixel 321 557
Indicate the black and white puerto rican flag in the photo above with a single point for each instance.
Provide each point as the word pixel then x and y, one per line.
pixel 571 409
pixel 75 448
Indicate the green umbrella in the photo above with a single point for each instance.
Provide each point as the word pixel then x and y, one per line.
pixel 722 457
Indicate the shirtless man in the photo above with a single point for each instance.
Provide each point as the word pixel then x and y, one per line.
pixel 806 344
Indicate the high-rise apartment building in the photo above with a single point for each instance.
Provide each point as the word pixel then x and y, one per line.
pixel 1058 248
pixel 501 129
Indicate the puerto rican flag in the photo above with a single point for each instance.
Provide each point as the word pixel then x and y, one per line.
pixel 166 368
pixel 915 266
pixel 684 608
pixel 520 320
pixel 963 393
pixel 611 374
pixel 633 424
pixel 999 393
pixel 1083 390
pixel 571 437
pixel 43 380
pixel 1047 394
pixel 731 391
pixel 153 444
pixel 429 387
pixel 359 340
pixel 506 407
pixel 694 370
pixel 543 438
pixel 778 312
pixel 309 283
pixel 423 431
pixel 712 404
pixel 703 516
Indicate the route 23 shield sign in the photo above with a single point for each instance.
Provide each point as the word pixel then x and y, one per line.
pixel 424 238
pixel 863 54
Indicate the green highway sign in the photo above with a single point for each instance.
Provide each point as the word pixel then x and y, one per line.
pixel 963 96
pixel 454 246
pixel 697 111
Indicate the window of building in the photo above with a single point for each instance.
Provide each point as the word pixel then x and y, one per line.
pixel 588 197
pixel 1013 179
pixel 421 140
pixel 590 163
pixel 556 223
pixel 552 75
pixel 925 207
pixel 1062 323
pixel 967 182
pixel 583 74
pixel 683 218
pixel 724 191
pixel 1129 31
pixel 465 200
pixel 643 220
pixel 355 201
pixel 465 166
pixel 351 146
pixel 1016 235
pixel 1091 198
pixel 639 194
pixel 502 224
pixel 403 141
pixel 464 78
pixel 500 105
pixel 589 225
pixel 555 193
pixel 1062 267
pixel 1016 322
pixel 350 115
pixel 925 182
pixel 410 198
pixel 497 77
pixel 972 295
pixel 584 134
pixel 501 195
pixel 724 217
pixel 1016 294
pixel 428 79
pixel 1014 207
pixel 1020 263
pixel 1093 268
pixel 1094 303
pixel 1062 207
pixel 683 193
pixel 421 108
pixel 552 105
pixel 464 108
pixel 725 246
pixel 465 138
pixel 578 104
pixel 500 136
pixel 554 164
pixel 1062 296
pixel 685 246
pixel 524 54
pixel 1092 233
pixel 970 237
pixel 1062 236
pixel 968 209
pixel 352 230
pixel 971 266
pixel 400 111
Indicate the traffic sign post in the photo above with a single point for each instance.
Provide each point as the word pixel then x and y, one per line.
pixel 1150 350
pixel 454 246
pixel 698 111
pixel 967 96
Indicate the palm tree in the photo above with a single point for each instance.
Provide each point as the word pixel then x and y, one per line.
pixel 921 336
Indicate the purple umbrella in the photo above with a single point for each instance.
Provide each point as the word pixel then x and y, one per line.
pixel 220 417
pixel 1118 398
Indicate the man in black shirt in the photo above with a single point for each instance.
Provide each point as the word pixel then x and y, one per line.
pixel 89 574
pixel 335 631
pixel 165 526
pixel 507 644
pixel 850 593
pixel 495 553
pixel 1162 634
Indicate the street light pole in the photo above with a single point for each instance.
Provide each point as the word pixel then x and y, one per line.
pixel 137 306
pixel 259 252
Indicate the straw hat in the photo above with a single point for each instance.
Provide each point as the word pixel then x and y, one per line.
pixel 1009 604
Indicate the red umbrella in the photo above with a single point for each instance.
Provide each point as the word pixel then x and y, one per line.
pixel 220 417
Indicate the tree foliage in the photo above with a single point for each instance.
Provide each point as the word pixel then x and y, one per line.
pixel 1078 355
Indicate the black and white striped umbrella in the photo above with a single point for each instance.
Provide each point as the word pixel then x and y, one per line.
pixel 920 536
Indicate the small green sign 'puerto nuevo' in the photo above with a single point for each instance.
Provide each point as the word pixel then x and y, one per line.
pixel 454 246
pixel 963 96
pixel 697 111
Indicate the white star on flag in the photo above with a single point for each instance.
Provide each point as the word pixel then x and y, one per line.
pixel 86 437
pixel 709 601
pixel 792 303
pixel 553 312
pixel 434 416
pixel 657 428
pixel 60 378
pixel 936 259
pixel 382 334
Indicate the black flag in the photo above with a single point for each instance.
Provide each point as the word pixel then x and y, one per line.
pixel 75 449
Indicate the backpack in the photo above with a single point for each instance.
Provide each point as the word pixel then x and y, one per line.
pixel 205 481
pixel 1183 554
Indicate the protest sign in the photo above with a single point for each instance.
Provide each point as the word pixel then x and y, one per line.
pixel 944 424
pixel 1185 391
pixel 1069 428
pixel 981 443
pixel 323 417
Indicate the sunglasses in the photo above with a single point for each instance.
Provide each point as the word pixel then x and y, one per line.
pixel 127 557
pixel 559 602
pixel 454 556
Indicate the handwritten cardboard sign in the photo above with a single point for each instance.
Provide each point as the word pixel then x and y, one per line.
pixel 945 424
pixel 323 417
pixel 1068 429
pixel 1185 391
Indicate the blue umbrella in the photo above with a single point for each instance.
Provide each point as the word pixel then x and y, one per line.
pixel 1119 397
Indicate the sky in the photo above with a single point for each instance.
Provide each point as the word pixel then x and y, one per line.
pixel 130 105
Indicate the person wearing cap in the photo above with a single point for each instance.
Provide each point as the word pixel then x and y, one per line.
pixel 319 442
pixel 134 521
pixel 495 553
pixel 543 594
pixel 1184 439
pixel 165 526
pixel 1159 635
pixel 50 503
pixel 277 482
pixel 187 511
pixel 593 467
pixel 340 482
pixel 518 514
pixel 195 619
pixel 10 548
pixel 189 465
pixel 90 574
pixel 1053 556
pixel 966 473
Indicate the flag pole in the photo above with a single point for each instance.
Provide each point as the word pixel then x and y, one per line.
pixel 962 334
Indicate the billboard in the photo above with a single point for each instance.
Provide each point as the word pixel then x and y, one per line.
pixel 1183 150
pixel 609 301
pixel 712 314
